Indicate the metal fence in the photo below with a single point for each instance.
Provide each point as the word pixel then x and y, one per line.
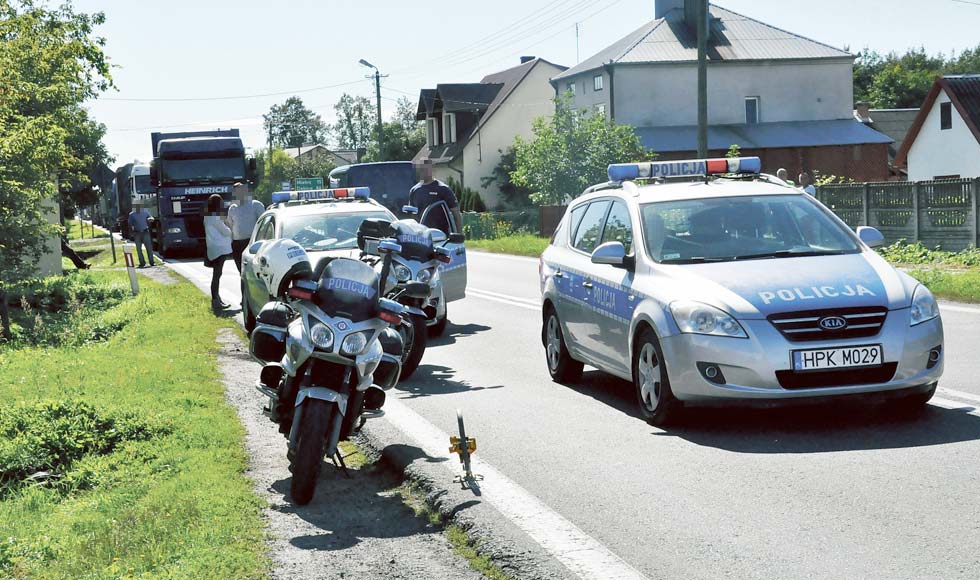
pixel 937 213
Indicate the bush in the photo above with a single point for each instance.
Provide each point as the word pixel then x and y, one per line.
pixel 904 253
pixel 469 198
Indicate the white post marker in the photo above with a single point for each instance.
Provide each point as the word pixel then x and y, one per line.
pixel 131 267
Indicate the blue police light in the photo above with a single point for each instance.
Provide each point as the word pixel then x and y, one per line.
pixel 683 168
pixel 362 192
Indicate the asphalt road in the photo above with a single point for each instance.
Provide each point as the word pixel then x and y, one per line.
pixel 825 492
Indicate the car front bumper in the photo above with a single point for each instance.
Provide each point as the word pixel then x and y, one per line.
pixel 750 366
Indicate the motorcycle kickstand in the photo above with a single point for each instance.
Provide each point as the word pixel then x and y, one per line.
pixel 338 460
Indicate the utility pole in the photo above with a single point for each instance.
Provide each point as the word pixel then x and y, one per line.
pixel 377 92
pixel 576 43
pixel 702 24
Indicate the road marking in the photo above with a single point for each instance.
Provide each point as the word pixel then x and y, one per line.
pixel 952 308
pixel 503 256
pixel 508 301
pixel 579 552
pixel 958 394
pixel 531 301
pixel 948 404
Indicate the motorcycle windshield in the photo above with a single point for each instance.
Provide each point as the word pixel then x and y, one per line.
pixel 414 239
pixel 349 289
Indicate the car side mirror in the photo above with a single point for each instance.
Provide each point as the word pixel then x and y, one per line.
pixel 871 236
pixel 457 238
pixel 417 290
pixel 612 254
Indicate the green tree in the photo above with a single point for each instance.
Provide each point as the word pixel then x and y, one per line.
pixel 272 171
pixel 51 61
pixel 291 124
pixel 355 122
pixel 86 153
pixel 571 151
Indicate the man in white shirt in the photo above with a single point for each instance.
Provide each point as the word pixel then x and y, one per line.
pixel 242 217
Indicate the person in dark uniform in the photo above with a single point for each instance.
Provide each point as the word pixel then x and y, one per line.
pixel 428 191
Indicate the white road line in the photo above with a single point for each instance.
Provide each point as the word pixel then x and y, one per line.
pixel 579 552
pixel 952 308
pixel 948 404
pixel 531 301
pixel 502 256
pixel 507 301
pixel 958 394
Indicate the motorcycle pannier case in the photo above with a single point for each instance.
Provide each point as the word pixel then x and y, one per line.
pixel 268 342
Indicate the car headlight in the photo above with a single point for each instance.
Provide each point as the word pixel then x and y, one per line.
pixel 924 306
pixel 402 273
pixel 424 275
pixel 322 336
pixel 354 343
pixel 698 318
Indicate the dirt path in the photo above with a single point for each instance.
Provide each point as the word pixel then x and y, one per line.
pixel 354 528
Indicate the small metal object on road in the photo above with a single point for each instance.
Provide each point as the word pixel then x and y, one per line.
pixel 465 447
pixel 131 267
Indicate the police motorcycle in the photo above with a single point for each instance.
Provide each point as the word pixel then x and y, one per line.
pixel 422 253
pixel 329 350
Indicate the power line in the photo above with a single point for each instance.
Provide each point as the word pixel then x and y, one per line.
pixel 230 98
pixel 967 2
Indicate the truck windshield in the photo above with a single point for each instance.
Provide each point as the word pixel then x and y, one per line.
pixel 741 228
pixel 143 185
pixel 202 170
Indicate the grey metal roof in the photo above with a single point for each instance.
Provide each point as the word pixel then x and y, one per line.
pixel 474 97
pixel 895 123
pixel 762 135
pixel 733 37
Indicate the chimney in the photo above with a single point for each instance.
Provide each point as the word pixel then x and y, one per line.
pixel 661 7
pixel 862 111
pixel 525 59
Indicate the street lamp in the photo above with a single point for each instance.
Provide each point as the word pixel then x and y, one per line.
pixel 377 94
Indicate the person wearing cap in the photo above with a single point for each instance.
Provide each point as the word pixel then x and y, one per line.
pixel 242 217
pixel 139 223
pixel 429 190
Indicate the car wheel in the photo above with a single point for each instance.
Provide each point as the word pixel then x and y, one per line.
pixel 656 400
pixel 561 366
pixel 247 314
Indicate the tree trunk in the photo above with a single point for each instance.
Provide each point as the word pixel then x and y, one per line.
pixel 4 314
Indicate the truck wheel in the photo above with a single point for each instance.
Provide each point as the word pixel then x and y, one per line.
pixel 309 450
pixel 414 337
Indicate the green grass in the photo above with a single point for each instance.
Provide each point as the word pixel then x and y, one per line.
pixel 80 233
pixel 517 244
pixel 167 497
pixel 956 285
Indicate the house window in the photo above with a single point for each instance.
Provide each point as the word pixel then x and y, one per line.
pixel 449 127
pixel 431 132
pixel 751 110
pixel 571 87
pixel 945 116
pixel 597 82
pixel 601 109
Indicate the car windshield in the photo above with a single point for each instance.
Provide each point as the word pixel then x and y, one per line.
pixel 741 228
pixel 327 231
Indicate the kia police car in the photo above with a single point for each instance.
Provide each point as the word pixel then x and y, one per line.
pixel 703 281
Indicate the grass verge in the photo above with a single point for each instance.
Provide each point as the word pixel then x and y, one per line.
pixel 120 457
pixel 518 245
pixel 77 232
pixel 956 285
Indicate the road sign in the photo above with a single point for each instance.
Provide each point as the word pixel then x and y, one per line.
pixel 306 183
pixel 285 186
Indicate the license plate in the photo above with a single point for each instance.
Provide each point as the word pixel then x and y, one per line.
pixel 869 355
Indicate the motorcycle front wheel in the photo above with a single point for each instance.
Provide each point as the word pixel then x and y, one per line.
pixel 415 339
pixel 309 449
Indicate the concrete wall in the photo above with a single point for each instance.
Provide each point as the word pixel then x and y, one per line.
pixel 666 94
pixel 935 152
pixel 50 262
pixel 531 99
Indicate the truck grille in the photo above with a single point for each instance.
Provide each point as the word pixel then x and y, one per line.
pixel 790 379
pixel 805 325
pixel 195 226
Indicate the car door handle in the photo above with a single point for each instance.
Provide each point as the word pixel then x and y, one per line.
pixel 559 274
pixel 587 284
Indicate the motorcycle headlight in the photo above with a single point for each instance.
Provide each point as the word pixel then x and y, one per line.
pixel 402 273
pixel 924 306
pixel 354 343
pixel 322 336
pixel 424 275
pixel 697 318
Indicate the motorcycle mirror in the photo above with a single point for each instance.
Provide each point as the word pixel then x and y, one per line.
pixel 417 290
pixel 457 238
pixel 410 209
pixel 390 305
pixel 438 236
pixel 389 245
pixel 254 248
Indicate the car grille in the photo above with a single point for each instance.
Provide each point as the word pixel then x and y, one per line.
pixel 790 379
pixel 803 326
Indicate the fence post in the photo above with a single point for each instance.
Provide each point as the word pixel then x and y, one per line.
pixel 866 204
pixel 915 210
pixel 974 192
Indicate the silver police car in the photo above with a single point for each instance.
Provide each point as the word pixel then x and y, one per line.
pixel 705 281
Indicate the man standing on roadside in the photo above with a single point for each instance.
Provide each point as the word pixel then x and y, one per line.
pixel 139 223
pixel 242 216
pixel 805 184
pixel 428 191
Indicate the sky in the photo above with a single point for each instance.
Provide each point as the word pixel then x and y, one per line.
pixel 186 65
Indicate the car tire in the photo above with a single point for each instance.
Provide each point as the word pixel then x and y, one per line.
pixel 247 316
pixel 561 366
pixel 650 381
pixel 913 403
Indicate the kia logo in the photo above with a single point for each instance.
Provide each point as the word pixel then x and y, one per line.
pixel 832 323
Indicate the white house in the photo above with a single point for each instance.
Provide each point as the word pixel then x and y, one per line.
pixel 776 94
pixel 944 141
pixel 469 125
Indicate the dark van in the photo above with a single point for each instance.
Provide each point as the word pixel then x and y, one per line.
pixel 390 181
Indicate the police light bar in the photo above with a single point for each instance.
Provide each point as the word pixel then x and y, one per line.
pixel 688 167
pixel 322 194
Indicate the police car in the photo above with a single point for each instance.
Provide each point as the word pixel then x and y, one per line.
pixel 325 223
pixel 705 281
